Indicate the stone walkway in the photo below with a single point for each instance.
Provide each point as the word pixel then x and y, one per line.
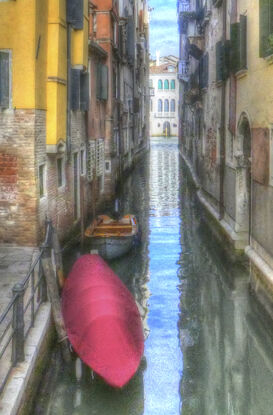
pixel 14 265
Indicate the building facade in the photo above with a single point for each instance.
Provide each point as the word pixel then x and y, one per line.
pixel 226 120
pixel 164 97
pixel 60 112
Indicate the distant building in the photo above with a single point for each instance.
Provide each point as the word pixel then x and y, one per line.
pixel 164 94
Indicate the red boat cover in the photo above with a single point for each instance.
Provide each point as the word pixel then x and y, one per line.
pixel 102 320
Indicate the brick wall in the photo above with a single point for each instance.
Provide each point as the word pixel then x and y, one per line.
pixel 18 184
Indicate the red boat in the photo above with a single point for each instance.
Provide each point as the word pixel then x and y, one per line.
pixel 102 320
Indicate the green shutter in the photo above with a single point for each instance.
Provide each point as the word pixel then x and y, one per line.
pixel 104 82
pixel 243 42
pixel 98 81
pixel 235 47
pixel 265 26
pixel 219 62
pixel 4 79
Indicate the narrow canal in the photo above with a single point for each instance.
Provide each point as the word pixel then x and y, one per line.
pixel 209 346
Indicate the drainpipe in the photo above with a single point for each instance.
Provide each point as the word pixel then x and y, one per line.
pixel 223 124
pixel 68 106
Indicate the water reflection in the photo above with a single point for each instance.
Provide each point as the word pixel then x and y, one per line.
pixel 209 346
pixel 225 335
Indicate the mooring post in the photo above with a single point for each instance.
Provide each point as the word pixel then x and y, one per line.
pixel 53 293
pixel 18 338
pixel 58 258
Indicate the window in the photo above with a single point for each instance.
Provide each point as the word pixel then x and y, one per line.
pixel 60 171
pixel 151 105
pixel 151 84
pixel 4 79
pixel 108 166
pixel 160 84
pixel 160 105
pixel 238 45
pixel 166 105
pixel 79 90
pixel 172 84
pixel 173 105
pixel 102 82
pixel 266 28
pixel 42 180
pixel 82 162
pixel 166 84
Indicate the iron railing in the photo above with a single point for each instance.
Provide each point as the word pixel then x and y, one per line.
pixel 19 316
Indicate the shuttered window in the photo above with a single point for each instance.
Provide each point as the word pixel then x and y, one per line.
pixel 102 82
pixel 4 79
pixel 266 28
pixel 79 90
pixel 74 13
pixel 238 45
pixel 130 44
pixel 204 71
pixel 222 60
pixel 84 91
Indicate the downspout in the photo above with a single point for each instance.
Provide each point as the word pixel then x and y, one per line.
pixel 223 125
pixel 68 106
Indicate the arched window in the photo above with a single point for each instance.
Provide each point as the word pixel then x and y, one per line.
pixel 173 105
pixel 160 105
pixel 160 84
pixel 166 84
pixel 151 84
pixel 166 105
pixel 172 84
pixel 151 105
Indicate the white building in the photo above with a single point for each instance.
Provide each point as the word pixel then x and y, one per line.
pixel 164 95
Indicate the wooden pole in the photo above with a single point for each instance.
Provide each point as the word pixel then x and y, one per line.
pixel 58 258
pixel 82 210
pixel 53 293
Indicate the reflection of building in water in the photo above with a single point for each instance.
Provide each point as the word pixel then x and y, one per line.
pixel 227 347
pixel 164 183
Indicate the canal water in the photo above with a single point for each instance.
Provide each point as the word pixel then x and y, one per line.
pixel 209 344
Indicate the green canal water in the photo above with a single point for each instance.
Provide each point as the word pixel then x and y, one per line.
pixel 209 345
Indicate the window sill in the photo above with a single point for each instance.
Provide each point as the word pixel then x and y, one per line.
pixel 269 59
pixel 241 74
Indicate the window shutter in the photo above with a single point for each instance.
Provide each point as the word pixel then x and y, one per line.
pixel 205 71
pixel 74 13
pixel 130 46
pixel 265 50
pixel 75 89
pixel 4 79
pixel 98 80
pixel 104 82
pixel 91 159
pixel 219 67
pixel 243 42
pixel 235 47
pixel 84 103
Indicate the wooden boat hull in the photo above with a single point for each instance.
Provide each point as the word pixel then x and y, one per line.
pixel 102 320
pixel 113 247
pixel 112 239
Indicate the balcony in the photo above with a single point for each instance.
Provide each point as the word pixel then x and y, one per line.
pixel 183 6
pixel 165 114
pixel 183 70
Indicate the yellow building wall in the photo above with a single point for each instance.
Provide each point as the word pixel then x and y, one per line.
pixel 18 33
pixel 36 33
pixel 80 42
pixel 56 72
pixel 255 88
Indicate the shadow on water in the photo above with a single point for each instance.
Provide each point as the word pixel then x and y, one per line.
pixel 209 349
